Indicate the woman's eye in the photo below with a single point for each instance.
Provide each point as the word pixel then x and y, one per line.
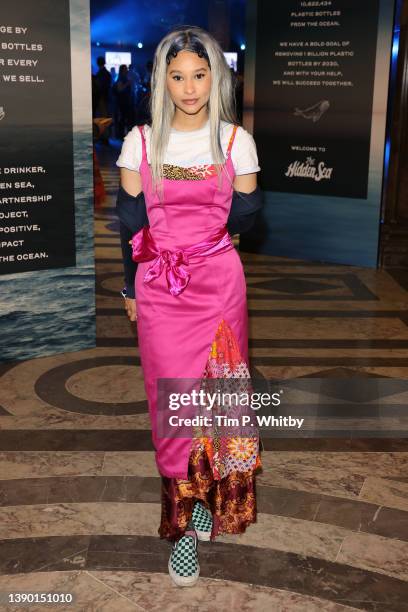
pixel 177 77
pixel 200 76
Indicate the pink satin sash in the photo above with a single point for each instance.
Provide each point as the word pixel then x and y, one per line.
pixel 145 249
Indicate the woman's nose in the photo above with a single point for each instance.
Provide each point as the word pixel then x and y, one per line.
pixel 189 86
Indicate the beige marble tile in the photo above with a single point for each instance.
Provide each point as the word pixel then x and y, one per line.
pixel 320 304
pixel 397 398
pixel 115 283
pixel 106 384
pixel 389 493
pixel 111 240
pixel 382 426
pixel 313 605
pixel 288 474
pixel 90 593
pixel 102 223
pixel 334 305
pixel 392 371
pixel 310 351
pixel 258 303
pixel 103 301
pixel 129 463
pixel 384 286
pixel 117 326
pixel 337 287
pixel 339 474
pixel 287 372
pixel 362 463
pixel 376 554
pixel 42 464
pixel 51 419
pixel 30 412
pixel 156 592
pixel 386 289
pixel 289 263
pixel 304 327
pixel 109 235
pixel 104 267
pixel 108 253
pixel 17 385
pixel 110 518
pixel 291 535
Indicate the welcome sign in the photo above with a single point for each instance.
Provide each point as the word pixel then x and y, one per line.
pixel 315 106
pixel 37 217
pixel 316 90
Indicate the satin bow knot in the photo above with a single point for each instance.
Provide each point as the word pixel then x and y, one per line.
pixel 175 258
pixel 145 249
pixel 177 277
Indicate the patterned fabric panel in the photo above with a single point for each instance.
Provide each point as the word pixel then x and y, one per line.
pixel 231 500
pixel 193 173
pixel 228 454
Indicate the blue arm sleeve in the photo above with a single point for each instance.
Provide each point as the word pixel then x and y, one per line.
pixel 244 209
pixel 132 214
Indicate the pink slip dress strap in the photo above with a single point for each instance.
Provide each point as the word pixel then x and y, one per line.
pixel 231 140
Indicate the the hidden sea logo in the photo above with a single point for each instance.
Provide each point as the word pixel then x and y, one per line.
pixel 309 169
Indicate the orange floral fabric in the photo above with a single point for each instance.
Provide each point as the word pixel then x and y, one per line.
pixel 229 454
pixel 231 500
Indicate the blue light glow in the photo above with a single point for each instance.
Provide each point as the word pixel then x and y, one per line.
pixel 121 21
pixel 393 75
pixel 147 21
pixel 387 152
pixel 243 47
pixel 395 45
pixel 140 45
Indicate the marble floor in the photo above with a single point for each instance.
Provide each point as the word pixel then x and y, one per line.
pixel 79 491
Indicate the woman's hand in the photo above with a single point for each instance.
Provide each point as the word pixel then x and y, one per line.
pixel 130 305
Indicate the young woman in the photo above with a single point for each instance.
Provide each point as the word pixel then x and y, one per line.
pixel 184 170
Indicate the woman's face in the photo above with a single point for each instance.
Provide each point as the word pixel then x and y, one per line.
pixel 189 82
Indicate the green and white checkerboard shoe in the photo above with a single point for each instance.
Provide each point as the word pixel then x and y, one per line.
pixel 202 522
pixel 184 568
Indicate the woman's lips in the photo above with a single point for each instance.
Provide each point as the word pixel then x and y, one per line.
pixel 191 102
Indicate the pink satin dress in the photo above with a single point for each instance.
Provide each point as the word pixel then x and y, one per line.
pixel 190 290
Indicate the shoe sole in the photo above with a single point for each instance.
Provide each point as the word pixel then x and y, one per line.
pixel 183 581
pixel 203 536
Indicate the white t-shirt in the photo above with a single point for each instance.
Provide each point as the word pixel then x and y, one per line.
pixel 192 148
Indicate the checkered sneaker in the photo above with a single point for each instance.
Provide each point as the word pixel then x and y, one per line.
pixel 184 569
pixel 202 522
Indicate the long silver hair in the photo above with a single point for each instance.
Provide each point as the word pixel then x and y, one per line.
pixel 221 104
